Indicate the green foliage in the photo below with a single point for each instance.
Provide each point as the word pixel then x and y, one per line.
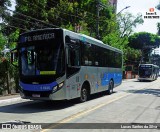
pixel 13 38
pixel 119 33
pixel 127 23
pixel 3 41
pixel 143 40
pixel 3 6
pixel 62 13
pixel 5 66
pixel 3 75
pixel 133 55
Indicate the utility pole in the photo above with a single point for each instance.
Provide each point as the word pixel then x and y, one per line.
pixel 100 6
pixel 97 21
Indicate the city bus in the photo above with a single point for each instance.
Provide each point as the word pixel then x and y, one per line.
pixel 58 64
pixel 148 72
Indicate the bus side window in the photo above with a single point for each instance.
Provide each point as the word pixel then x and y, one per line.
pixel 73 61
pixel 87 54
pixel 73 57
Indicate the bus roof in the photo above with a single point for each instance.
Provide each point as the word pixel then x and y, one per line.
pixel 89 39
pixel 35 30
pixel 80 36
pixel 149 65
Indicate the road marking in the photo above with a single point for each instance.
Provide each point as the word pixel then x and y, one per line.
pixel 79 114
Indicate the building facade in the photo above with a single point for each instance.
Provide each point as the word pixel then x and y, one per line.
pixel 114 4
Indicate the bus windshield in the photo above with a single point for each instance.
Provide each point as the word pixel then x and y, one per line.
pixel 42 59
pixel 145 71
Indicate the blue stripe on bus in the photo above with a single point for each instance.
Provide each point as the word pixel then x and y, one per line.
pixel 117 77
pixel 38 87
pixel 104 80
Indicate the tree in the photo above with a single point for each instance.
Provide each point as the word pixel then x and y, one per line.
pixel 3 41
pixel 63 13
pixel 158 6
pixel 155 59
pixel 3 9
pixel 4 14
pixel 127 23
pixel 123 29
pixel 119 33
pixel 158 24
pixel 144 42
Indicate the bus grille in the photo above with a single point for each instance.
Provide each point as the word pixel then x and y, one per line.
pixel 41 93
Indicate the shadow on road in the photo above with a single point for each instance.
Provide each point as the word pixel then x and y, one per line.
pixel 35 106
pixel 43 106
pixel 155 92
pixel 142 81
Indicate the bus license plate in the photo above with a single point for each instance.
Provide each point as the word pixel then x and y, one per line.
pixel 35 95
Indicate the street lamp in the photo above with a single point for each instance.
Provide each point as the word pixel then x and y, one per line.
pixel 99 6
pixel 123 9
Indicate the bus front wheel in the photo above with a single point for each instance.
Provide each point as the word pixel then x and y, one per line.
pixel 84 94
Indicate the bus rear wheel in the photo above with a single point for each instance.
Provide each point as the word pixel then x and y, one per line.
pixel 110 87
pixel 84 94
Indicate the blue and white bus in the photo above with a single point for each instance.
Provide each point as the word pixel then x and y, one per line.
pixel 58 64
pixel 148 72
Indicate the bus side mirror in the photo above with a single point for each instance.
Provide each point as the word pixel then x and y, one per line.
pixel 72 43
pixel 67 39
pixel 14 57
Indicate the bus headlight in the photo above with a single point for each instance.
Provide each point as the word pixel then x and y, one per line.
pixel 60 85
pixel 55 88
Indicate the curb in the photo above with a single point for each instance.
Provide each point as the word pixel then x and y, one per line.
pixel 9 98
pixel 128 80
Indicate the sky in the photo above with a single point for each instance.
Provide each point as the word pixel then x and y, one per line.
pixel 141 6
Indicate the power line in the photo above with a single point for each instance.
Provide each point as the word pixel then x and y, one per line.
pixel 31 18
pixel 76 8
pixel 62 19
pixel 56 11
pixel 40 21
pixel 66 7
pixel 22 20
pixel 16 18
pixel 8 25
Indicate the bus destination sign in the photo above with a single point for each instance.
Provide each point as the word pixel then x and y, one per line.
pixel 147 66
pixel 39 37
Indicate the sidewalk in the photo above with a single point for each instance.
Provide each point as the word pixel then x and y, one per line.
pixel 127 80
pixel 9 98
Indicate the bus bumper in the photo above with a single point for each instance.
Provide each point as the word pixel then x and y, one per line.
pixel 147 79
pixel 59 95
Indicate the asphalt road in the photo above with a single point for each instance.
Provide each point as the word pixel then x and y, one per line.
pixel 133 102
